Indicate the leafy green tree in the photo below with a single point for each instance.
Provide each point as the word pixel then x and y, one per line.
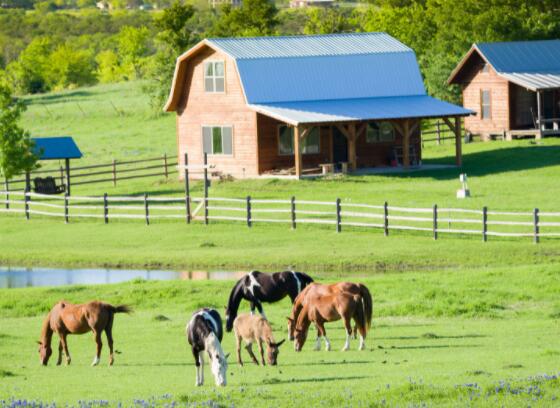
pixel 16 153
pixel 28 72
pixel 69 67
pixel 133 48
pixel 326 21
pixel 252 18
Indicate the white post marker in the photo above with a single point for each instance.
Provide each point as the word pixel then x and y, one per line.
pixel 464 191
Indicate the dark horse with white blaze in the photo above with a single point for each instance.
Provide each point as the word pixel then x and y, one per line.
pixel 257 287
pixel 204 333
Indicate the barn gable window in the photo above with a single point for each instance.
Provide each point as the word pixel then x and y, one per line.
pixel 310 145
pixel 217 139
pixel 485 103
pixel 214 76
pixel 380 132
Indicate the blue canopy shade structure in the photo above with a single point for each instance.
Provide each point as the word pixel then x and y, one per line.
pixel 55 148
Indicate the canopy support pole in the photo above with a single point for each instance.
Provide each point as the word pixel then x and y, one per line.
pixel 458 140
pixel 67 161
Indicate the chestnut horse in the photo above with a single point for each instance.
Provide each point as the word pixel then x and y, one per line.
pixel 66 318
pixel 318 289
pixel 328 303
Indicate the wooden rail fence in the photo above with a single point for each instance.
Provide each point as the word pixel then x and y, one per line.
pixel 340 214
pixel 117 170
pixel 438 132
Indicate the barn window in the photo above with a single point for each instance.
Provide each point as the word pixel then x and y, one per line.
pixel 214 76
pixel 380 132
pixel 217 139
pixel 311 142
pixel 485 104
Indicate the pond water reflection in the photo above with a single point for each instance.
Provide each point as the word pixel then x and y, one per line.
pixel 16 277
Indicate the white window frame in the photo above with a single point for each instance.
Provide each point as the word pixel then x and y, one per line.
pixel 213 62
pixel 222 127
pixel 279 126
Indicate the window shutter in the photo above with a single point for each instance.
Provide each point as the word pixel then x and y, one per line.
pixel 207 139
pixel 227 140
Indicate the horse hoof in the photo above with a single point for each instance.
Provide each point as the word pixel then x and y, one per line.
pixel 197 384
pixel 95 362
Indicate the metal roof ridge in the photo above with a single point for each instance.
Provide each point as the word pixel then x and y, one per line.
pixel 316 55
pixel 301 36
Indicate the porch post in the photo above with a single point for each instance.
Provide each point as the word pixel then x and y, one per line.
pixel 331 146
pixel 458 140
pixel 406 144
pixel 352 146
pixel 539 114
pixel 297 150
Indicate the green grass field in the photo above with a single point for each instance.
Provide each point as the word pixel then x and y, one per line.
pixel 457 322
pixel 486 338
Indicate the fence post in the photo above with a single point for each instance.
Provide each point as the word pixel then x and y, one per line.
pixel 66 207
pixel 249 211
pixel 386 219
pixel 187 190
pixel 146 210
pixel 484 223
pixel 105 208
pixel 293 210
pixel 438 132
pixel 435 222
pixel 26 202
pixel 165 166
pixel 27 181
pixel 114 172
pixel 206 188
pixel 338 226
pixel 536 225
pixel 7 184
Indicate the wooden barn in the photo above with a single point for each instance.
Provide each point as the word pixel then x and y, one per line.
pixel 293 105
pixel 513 86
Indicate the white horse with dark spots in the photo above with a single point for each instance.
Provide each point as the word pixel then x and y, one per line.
pixel 204 333
pixel 257 287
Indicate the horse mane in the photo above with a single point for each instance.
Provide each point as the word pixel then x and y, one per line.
pixel 235 297
pixel 303 321
pixel 46 331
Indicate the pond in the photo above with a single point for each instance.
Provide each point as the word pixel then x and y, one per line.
pixel 16 277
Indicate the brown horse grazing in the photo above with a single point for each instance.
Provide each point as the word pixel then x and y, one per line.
pixel 66 318
pixel 317 289
pixel 255 329
pixel 318 307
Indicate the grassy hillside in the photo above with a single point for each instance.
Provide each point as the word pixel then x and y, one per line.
pixel 441 339
pixel 107 121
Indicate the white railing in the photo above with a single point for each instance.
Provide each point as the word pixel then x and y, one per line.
pixel 339 214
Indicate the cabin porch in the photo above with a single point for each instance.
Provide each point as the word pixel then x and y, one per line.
pixel 360 147
pixel 533 113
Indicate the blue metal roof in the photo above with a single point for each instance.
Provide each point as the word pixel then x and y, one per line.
pixel 330 77
pixel 309 45
pixel 523 56
pixel 52 148
pixel 417 106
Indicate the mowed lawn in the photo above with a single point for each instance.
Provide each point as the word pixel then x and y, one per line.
pixel 486 338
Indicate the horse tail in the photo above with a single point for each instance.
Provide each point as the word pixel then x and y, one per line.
pixel 121 309
pixel 367 304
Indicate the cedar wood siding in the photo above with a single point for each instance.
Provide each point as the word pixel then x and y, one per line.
pixel 197 108
pixel 474 80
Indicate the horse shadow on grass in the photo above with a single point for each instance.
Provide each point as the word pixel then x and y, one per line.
pixel 314 380
pixel 327 363
pixel 436 337
pixel 434 346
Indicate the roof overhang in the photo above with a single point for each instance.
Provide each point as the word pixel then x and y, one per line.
pixel 461 64
pixel 351 110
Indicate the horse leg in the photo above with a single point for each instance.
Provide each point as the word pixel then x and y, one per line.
pixel 363 333
pixel 261 311
pixel 261 350
pixel 109 334
pixel 323 333
pixel 252 307
pixel 99 345
pixel 239 361
pixel 348 327
pixel 65 348
pixel 59 361
pixel 318 341
pixel 249 349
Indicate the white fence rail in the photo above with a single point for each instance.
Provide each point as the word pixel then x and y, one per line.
pixel 339 214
